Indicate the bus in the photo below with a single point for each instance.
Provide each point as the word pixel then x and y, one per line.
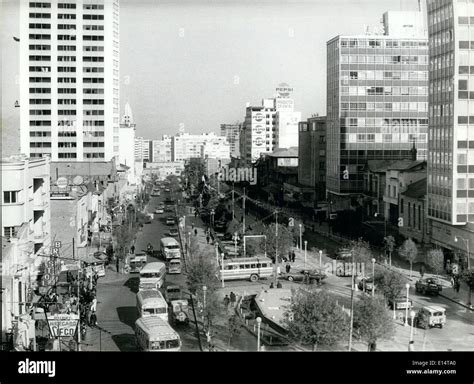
pixel 170 248
pixel 153 273
pixel 246 268
pixel 152 303
pixel 154 334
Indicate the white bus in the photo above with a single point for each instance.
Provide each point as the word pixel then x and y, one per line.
pixel 152 303
pixel 152 274
pixel 154 335
pixel 246 268
pixel 170 248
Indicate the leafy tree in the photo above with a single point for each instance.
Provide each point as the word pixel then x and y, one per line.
pixel 316 318
pixel 201 271
pixel 389 283
pixel 123 237
pixel 389 243
pixel 234 326
pixel 277 244
pixel 467 275
pixel 409 252
pixel 435 260
pixel 361 251
pixel 194 169
pixel 372 321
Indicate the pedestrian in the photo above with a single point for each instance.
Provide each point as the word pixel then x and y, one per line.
pixel 288 267
pixel 422 270
pixel 289 256
pixel 132 249
pixel 293 256
pixel 233 299
pixel 457 285
pixel 226 301
pixel 192 226
pixel 208 238
pixel 195 232
pixel 117 263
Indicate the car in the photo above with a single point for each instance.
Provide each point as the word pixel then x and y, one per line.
pixel 368 282
pixel 344 253
pixel 147 220
pixel 155 193
pixel 167 190
pixel 169 208
pixel 170 221
pixel 400 303
pixel 304 276
pixel 428 286
pixel 430 316
pixel 173 292
pixel 173 232
pixel 159 210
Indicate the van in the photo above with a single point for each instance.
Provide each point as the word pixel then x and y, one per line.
pixel 152 303
pixel 153 273
pixel 154 335
pixel 170 248
pixel 174 266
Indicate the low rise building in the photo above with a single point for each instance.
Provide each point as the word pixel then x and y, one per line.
pixel 413 213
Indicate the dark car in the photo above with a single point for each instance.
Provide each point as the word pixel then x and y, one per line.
pixel 170 221
pixel 428 286
pixel 173 232
pixel 304 276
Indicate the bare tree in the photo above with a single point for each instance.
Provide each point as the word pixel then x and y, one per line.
pixel 435 260
pixel 409 252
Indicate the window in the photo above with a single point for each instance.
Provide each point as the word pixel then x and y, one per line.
pixel 10 197
pixel 10 232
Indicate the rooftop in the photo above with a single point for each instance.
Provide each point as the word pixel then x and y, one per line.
pixel 284 152
pixel 416 190
pixel 82 168
pixel 273 304
pixel 405 165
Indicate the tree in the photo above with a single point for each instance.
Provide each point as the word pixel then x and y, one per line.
pixel 123 237
pixel 277 244
pixel 389 242
pixel 409 251
pixel 361 251
pixel 201 271
pixel 435 260
pixel 234 326
pixel 316 318
pixel 372 321
pixel 389 283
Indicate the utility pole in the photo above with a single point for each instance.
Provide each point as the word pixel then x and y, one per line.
pixel 233 202
pixel 352 305
pixel 243 216
pixel 73 248
pixel 276 246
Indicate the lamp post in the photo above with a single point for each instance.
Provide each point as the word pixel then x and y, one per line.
pixel 373 277
pixel 301 237
pixel 320 259
pixel 466 242
pixel 204 289
pixel 259 321
pixel 412 317
pixel 305 251
pixel 222 269
pixel 407 286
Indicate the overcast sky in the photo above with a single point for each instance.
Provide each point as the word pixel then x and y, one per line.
pixel 198 63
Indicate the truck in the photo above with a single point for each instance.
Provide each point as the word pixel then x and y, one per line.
pixel 428 286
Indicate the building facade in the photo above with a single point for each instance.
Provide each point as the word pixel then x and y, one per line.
pixel 143 149
pixel 377 103
pixel 185 146
pixel 450 193
pixel 232 133
pixel 127 136
pixel 161 149
pixel 69 80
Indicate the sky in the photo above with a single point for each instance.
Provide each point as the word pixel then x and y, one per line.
pixel 196 64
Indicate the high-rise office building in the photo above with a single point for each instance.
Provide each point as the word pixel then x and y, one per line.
pixel 161 149
pixel 450 189
pixel 232 133
pixel 272 125
pixel 185 146
pixel 143 149
pixel 377 100
pixel 69 79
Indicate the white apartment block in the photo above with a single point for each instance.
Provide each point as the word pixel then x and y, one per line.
pixel 185 146
pixel 69 79
pixel 143 150
pixel 161 149
pixel 232 133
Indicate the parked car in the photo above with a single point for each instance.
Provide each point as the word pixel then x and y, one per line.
pixel 428 286
pixel 343 253
pixel 173 292
pixel 170 221
pixel 147 220
pixel 159 211
pixel 369 284
pixel 304 276
pixel 400 303
pixel 173 232
pixel 429 317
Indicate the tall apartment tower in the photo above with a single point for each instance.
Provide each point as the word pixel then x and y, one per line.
pixel 377 100
pixel 232 133
pixel 450 189
pixel 69 79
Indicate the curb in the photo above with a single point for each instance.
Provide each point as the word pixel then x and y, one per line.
pixel 457 302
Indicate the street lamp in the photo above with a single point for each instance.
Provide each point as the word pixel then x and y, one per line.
pixel 222 269
pixel 384 223
pixel 320 259
pixel 301 237
pixel 373 277
pixel 412 317
pixel 466 241
pixel 259 321
pixel 408 304
pixel 204 289
pixel 305 251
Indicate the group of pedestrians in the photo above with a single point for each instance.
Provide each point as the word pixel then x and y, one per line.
pixel 291 257
pixel 230 301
